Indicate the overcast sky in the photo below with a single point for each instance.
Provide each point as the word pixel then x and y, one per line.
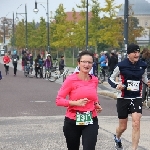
pixel 9 6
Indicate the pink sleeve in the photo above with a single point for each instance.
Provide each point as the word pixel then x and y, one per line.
pixel 63 92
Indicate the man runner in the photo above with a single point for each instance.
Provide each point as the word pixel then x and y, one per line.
pixel 132 72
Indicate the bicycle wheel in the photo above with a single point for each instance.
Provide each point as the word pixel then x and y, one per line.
pixel 52 78
pixel 64 77
pixel 101 77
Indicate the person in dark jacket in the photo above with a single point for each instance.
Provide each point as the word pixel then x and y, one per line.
pixel 15 59
pixel 39 66
pixel 95 65
pixel 61 65
pixel 25 60
pixel 113 61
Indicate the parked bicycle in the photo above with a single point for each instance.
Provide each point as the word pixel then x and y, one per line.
pixel 57 75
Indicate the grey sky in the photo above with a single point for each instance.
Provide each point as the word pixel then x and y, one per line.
pixel 9 6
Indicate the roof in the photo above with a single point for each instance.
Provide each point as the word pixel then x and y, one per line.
pixel 140 7
pixel 78 16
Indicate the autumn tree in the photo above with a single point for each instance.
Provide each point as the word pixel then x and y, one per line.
pixel 20 35
pixel 111 31
pixel 134 29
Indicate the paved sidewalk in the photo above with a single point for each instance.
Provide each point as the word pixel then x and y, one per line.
pixel 45 133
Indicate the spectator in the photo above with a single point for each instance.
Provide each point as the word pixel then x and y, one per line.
pixel 112 62
pixel 103 61
pixel 95 65
pixel 61 65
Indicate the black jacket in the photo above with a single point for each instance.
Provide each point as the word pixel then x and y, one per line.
pixel 61 64
pixel 113 61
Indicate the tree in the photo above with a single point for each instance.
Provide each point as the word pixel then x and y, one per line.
pixel 32 35
pixel 20 35
pixel 112 29
pixel 95 24
pixel 41 33
pixel 134 29
pixel 61 29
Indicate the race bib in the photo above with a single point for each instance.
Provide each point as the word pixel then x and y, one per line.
pixel 7 64
pixel 15 59
pixel 133 85
pixel 84 118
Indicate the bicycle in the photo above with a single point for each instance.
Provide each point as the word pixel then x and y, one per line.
pixel 47 73
pixel 100 76
pixel 57 75
pixel 28 70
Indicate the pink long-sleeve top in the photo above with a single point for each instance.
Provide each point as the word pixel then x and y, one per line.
pixel 78 89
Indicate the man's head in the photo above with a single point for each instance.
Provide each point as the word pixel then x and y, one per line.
pixel 112 54
pixel 96 55
pixel 133 52
pixel 15 52
pixel 62 57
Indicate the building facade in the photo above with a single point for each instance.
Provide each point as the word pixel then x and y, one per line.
pixel 141 10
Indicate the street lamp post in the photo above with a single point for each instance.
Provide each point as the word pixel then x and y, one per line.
pixel 26 29
pixel 47 14
pixel 4 33
pixel 13 31
pixel 87 25
pixel 126 14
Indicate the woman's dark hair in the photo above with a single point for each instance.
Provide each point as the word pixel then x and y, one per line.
pixel 85 53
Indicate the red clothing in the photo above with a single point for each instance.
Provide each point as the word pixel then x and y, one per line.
pixel 6 59
pixel 78 89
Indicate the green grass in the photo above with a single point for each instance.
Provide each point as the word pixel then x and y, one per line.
pixel 69 62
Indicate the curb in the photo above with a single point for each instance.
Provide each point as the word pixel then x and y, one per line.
pixel 107 93
pixel 114 96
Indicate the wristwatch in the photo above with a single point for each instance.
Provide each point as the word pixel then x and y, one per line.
pixel 97 103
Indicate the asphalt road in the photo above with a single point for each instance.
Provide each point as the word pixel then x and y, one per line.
pixel 30 120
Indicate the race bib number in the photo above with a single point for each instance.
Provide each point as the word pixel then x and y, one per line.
pixel 133 85
pixel 84 118
pixel 15 59
pixel 7 64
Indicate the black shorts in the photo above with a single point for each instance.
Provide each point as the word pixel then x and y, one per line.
pixel 128 106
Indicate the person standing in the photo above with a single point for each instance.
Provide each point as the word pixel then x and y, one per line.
pixel 95 65
pixel 6 60
pixel 103 61
pixel 132 71
pixel 15 59
pixel 61 65
pixel 82 107
pixel 112 62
